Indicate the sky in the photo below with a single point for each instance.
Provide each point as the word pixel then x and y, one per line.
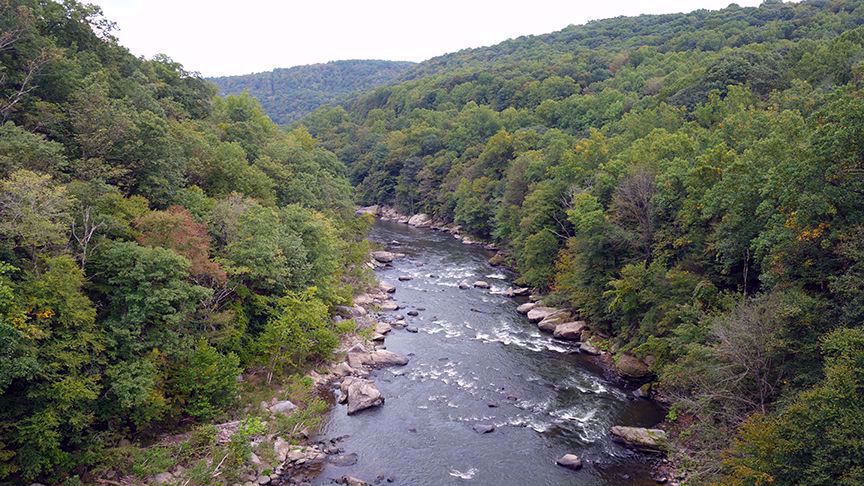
pixel 217 37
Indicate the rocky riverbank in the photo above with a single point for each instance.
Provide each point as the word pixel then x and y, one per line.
pixel 562 324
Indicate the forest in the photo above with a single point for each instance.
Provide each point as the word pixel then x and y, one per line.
pixel 156 241
pixel 287 95
pixel 691 184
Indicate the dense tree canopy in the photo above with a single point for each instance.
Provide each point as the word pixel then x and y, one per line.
pixel 690 183
pixel 152 235
pixel 289 94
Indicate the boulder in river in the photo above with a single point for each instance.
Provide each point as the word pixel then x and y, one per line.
pixel 570 331
pixel 538 313
pixel 484 428
pixel 404 278
pixel 389 306
pixel 570 461
pixel 527 306
pixel 383 256
pixel 639 437
pixel 413 313
pixel 387 287
pixel 376 359
pixel 360 394
pixel 552 321
pixel 481 284
pixel 631 366
pixel 382 328
pixel 464 285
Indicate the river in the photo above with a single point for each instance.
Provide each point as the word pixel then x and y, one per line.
pixel 475 360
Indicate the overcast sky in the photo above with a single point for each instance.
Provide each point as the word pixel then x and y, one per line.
pixel 217 37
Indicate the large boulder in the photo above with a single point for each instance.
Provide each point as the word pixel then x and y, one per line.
pixel 420 220
pixel 387 287
pixel 376 359
pixel 570 461
pixel 389 306
pixel 540 312
pixel 570 331
pixel 526 307
pixel 631 366
pixel 552 321
pixel 360 394
pixel 639 437
pixel 383 256
pixel 481 284
pixel 382 328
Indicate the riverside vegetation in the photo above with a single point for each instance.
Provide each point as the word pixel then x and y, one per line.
pixel 157 242
pixel 690 184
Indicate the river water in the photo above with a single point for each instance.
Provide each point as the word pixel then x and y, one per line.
pixel 475 360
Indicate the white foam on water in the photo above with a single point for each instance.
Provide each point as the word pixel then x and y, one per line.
pixel 498 276
pixel 469 474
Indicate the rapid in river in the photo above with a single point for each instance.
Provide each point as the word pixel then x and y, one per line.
pixel 474 361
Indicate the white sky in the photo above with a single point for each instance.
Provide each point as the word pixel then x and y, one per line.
pixel 218 37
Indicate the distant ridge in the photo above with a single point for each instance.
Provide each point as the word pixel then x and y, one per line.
pixel 287 94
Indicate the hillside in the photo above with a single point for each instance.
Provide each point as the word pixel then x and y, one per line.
pixel 690 184
pixel 290 93
pixel 158 246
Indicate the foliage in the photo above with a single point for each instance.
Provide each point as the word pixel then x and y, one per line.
pixel 148 232
pixel 289 94
pixel 689 183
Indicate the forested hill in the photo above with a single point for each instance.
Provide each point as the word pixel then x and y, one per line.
pixel 290 93
pixel 156 242
pixel 691 184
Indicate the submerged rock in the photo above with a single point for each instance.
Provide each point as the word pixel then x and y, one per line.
pixel 639 437
pixel 570 461
pixel 484 428
pixel 481 284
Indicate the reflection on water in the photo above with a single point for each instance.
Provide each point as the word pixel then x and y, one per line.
pixel 476 361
